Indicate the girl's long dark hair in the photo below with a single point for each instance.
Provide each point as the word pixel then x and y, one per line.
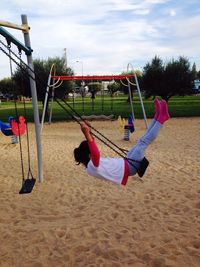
pixel 82 153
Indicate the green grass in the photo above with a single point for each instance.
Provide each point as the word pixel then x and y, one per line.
pixel 187 106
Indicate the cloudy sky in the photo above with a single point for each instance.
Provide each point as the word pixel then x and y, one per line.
pixel 103 36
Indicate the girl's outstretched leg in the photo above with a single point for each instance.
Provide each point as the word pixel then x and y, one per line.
pixel 157 112
pixel 137 152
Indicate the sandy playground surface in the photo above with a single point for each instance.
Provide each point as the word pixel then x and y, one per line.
pixel 74 220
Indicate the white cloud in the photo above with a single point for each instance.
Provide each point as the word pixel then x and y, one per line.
pixel 105 35
pixel 172 12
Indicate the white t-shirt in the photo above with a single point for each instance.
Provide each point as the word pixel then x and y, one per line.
pixel 109 168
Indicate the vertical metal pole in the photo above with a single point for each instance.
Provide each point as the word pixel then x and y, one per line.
pixel 65 57
pixel 52 95
pixel 141 102
pixel 131 101
pixel 45 103
pixel 34 101
pixel 51 110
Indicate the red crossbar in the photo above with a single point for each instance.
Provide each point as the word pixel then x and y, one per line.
pixel 95 77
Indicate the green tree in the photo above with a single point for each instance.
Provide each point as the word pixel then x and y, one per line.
pixel 113 88
pixel 175 78
pixel 178 79
pixel 94 87
pixel 194 72
pixel 152 79
pixel 7 86
pixel 198 74
pixel 42 69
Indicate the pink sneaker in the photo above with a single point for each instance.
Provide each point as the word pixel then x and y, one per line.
pixel 164 114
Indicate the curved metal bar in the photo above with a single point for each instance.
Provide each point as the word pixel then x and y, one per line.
pixel 130 82
pixel 55 85
pixel 123 83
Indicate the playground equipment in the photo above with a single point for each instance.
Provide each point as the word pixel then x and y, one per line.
pixel 138 90
pixel 126 127
pixel 110 78
pixel 121 123
pixel 6 129
pixel 27 184
pixel 53 86
pixel 121 152
pixel 57 81
pixel 97 134
pixel 13 129
pixel 19 128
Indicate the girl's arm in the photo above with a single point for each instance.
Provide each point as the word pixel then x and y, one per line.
pixel 94 151
pixel 85 128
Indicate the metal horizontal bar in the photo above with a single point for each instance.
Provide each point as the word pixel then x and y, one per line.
pixel 10 38
pixel 24 27
pixel 94 77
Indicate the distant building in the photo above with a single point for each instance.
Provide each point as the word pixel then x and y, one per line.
pixel 196 86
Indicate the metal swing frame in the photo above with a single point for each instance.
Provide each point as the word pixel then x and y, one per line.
pixel 28 51
pixel 109 78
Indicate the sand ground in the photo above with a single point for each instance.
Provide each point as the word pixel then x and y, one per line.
pixel 74 220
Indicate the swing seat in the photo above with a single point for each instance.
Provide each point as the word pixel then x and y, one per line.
pixel 143 166
pixel 18 128
pixel 27 186
pixel 7 131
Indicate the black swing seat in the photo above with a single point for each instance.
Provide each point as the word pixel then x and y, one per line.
pixel 143 166
pixel 144 163
pixel 27 186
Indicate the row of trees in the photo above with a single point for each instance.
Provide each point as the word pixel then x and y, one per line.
pixel 166 80
pixel 157 79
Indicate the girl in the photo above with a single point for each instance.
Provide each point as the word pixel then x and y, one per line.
pixel 118 170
